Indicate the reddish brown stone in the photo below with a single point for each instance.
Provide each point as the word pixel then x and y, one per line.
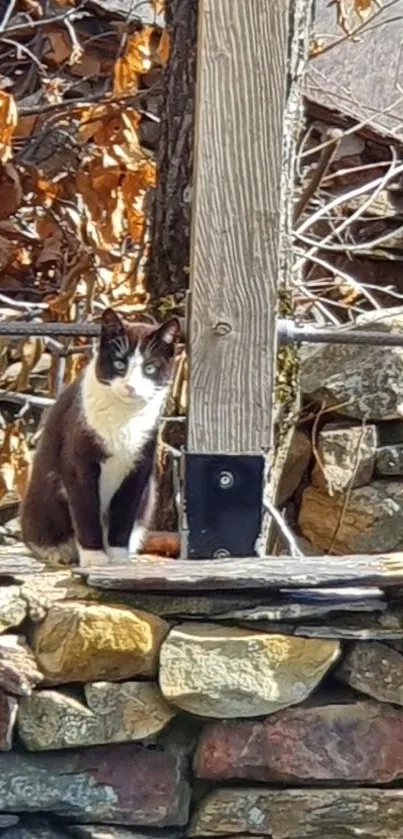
pixel 8 713
pixel 126 784
pixel 352 742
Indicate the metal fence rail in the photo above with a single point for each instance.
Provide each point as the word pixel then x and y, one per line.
pixel 288 332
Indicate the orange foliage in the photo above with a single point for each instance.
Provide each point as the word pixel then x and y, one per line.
pixel 136 59
pixel 8 122
pixel 73 227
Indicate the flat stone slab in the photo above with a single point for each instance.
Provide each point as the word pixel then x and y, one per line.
pixel 308 813
pixel 127 784
pixel 90 831
pixel 34 829
pixel 250 573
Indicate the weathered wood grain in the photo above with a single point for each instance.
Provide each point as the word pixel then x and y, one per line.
pixel 252 573
pixel 242 70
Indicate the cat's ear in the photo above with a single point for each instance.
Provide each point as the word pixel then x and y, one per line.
pixel 111 323
pixel 169 332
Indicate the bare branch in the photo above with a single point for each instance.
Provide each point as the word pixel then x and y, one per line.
pixel 284 528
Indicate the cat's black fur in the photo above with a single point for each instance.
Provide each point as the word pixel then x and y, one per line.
pixel 62 507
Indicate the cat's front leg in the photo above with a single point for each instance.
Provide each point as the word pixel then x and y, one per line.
pixel 82 487
pixel 130 511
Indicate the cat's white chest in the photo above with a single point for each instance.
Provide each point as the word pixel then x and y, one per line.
pixel 122 428
pixel 124 446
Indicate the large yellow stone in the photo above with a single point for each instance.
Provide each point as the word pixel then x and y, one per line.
pixel 225 671
pixel 78 642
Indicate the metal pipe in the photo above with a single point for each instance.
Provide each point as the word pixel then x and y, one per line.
pixel 21 328
pixel 289 333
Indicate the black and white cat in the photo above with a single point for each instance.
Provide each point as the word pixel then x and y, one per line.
pixel 91 492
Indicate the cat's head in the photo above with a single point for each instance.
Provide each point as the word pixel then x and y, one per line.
pixel 136 360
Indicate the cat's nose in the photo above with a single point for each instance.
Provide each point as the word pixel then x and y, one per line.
pixel 130 390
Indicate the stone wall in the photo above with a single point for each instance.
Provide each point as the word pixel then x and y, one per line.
pixel 252 714
pixel 344 478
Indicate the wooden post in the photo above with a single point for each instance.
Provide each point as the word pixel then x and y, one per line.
pixel 242 72
pixel 239 223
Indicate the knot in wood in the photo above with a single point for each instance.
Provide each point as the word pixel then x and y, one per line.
pixel 222 328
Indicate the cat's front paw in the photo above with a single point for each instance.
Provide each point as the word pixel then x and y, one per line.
pixel 91 559
pixel 118 556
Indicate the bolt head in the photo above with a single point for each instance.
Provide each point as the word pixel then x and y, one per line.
pixel 226 479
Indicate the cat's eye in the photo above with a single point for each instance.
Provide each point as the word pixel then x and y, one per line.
pixel 119 365
pixel 150 369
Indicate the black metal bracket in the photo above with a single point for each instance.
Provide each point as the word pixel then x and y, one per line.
pixel 223 504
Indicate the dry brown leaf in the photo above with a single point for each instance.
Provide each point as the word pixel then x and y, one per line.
pixel 60 45
pixel 7 251
pixel 158 6
pixel 143 177
pixel 53 90
pixel 25 125
pixel 33 7
pixel 315 47
pixel 135 219
pixel 10 190
pixel 363 8
pixel 348 10
pixel 135 60
pixel 99 189
pixel 45 191
pixel 30 350
pixel 4 344
pixel 51 252
pixel 92 120
pixel 85 64
pixel 14 461
pixel 22 257
pixel 46 226
pixel 8 122
pixel 74 365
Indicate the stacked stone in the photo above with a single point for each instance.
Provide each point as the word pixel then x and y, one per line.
pixel 203 716
pixel 348 475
